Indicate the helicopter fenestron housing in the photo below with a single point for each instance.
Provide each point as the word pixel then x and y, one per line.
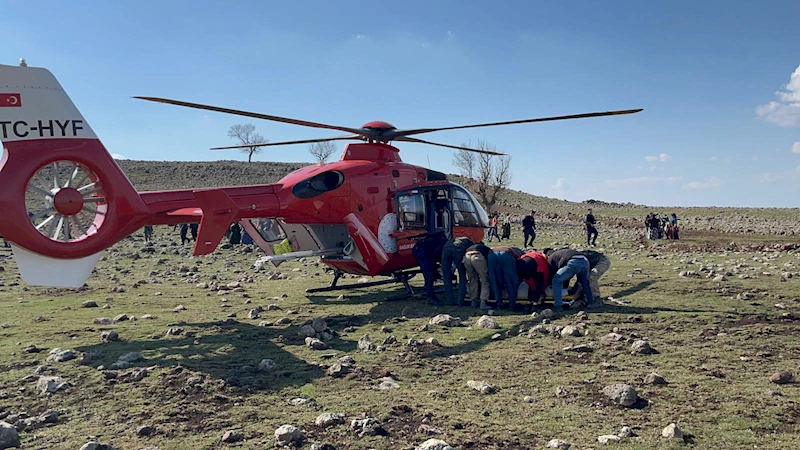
pixel 375 131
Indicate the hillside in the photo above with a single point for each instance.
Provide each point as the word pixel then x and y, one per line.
pixel 158 175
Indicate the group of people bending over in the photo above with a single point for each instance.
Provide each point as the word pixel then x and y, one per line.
pixel 492 272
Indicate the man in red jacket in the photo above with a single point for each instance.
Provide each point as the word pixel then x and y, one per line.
pixel 534 269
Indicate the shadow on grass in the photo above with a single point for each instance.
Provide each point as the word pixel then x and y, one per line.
pixel 633 289
pixel 228 350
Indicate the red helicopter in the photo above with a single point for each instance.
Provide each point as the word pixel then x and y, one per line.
pixel 65 199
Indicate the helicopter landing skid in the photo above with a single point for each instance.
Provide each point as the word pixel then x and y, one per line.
pixel 397 277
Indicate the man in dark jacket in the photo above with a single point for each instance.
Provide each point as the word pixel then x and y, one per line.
pixel 564 264
pixel 528 229
pixel 453 255
pixel 591 231
pixel 428 252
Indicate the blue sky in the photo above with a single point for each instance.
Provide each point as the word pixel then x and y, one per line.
pixel 721 109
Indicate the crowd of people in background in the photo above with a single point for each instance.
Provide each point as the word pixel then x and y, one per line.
pixel 658 227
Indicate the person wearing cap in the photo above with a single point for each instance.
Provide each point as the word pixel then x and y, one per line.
pixel 564 264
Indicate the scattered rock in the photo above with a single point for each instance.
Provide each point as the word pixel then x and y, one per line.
pixel 307 331
pixel 179 308
pixel 529 399
pixel 144 430
pixel 570 330
pixel 621 394
pixel 96 446
pixel 605 439
pixel 781 377
pixel 368 427
pixel 485 322
pixel 388 383
pixel 326 420
pixel 445 320
pixel 654 378
pixel 559 444
pixel 51 385
pixel 288 434
pixel 338 370
pixel 434 444
pixel 231 436
pixel 121 318
pixel 641 347
pixel 672 431
pixel 626 432
pixel 482 387
pixel 8 436
pixel 109 336
pixel 365 344
pixel 316 344
pixel 267 365
pixel 59 355
pixel 89 304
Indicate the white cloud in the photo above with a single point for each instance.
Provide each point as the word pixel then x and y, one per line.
pixel 713 158
pixel 660 158
pixel 796 147
pixel 786 112
pixel 561 184
pixel 768 177
pixel 712 183
pixel 360 36
pixel 798 169
pixel 117 156
pixel 642 180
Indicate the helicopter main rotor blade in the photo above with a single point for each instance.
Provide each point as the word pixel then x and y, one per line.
pixel 237 112
pixel 513 122
pixel 303 141
pixel 420 141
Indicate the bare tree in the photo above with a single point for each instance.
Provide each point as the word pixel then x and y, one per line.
pixel 322 150
pixel 246 134
pixel 486 175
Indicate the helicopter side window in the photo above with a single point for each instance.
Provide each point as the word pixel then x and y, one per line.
pixel 464 211
pixel 411 210
pixel 318 184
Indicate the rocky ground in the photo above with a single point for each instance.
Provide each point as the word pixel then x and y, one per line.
pixel 697 348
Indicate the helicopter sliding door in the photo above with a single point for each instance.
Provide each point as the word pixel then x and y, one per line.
pixel 420 211
pixel 278 238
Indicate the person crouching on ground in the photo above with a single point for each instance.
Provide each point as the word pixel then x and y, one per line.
pixel 503 274
pixel 453 255
pixel 564 264
pixel 534 269
pixel 598 265
pixel 476 261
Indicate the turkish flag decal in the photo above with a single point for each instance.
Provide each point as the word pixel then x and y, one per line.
pixel 10 101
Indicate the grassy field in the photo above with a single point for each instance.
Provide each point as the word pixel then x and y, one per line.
pixel 718 343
